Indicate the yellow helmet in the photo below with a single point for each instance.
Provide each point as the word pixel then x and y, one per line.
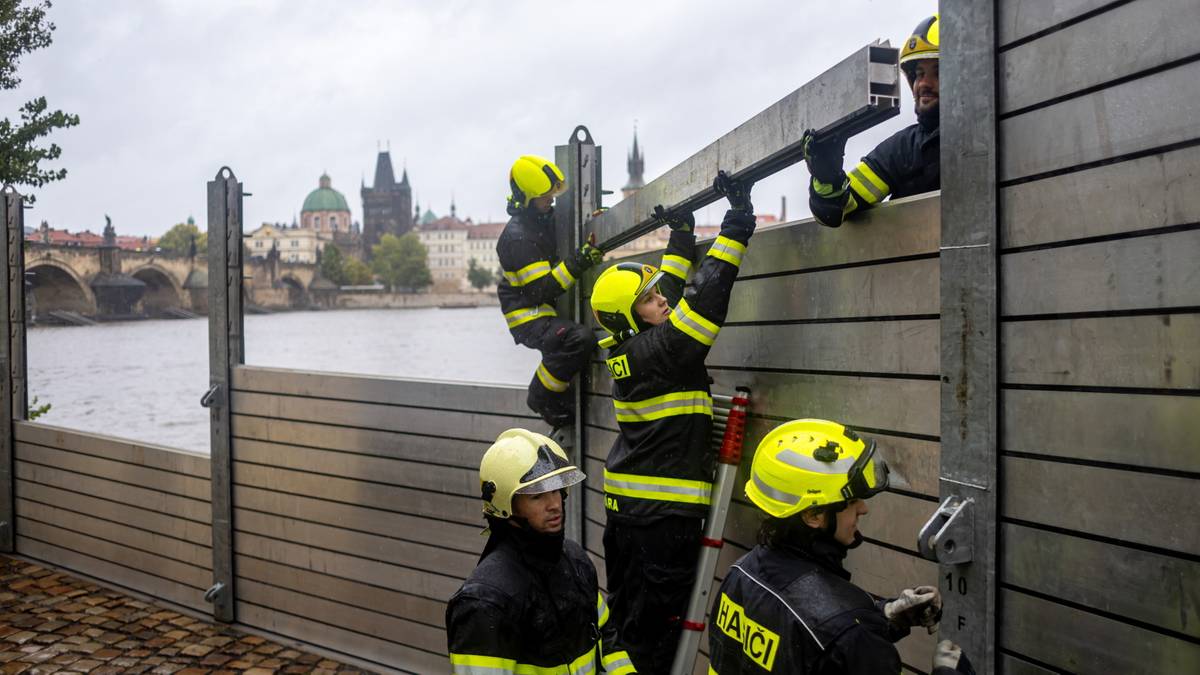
pixel 522 462
pixel 922 44
pixel 806 463
pixel 531 177
pixel 617 290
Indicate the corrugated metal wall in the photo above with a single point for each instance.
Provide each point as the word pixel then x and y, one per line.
pixel 840 324
pixel 1099 194
pixel 356 506
pixel 133 514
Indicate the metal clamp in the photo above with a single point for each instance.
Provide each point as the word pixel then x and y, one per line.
pixel 215 590
pixel 210 397
pixel 949 534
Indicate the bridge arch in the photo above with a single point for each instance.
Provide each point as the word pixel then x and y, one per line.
pixel 54 286
pixel 162 290
pixel 297 293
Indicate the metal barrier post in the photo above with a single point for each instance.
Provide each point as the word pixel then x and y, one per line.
pixel 579 160
pixel 12 354
pixel 225 351
pixel 962 536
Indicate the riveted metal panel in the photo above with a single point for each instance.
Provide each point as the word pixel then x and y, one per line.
pixel 1017 19
pixel 896 289
pixel 117 535
pixel 1139 194
pixel 371 519
pixel 392 550
pixel 1080 642
pixel 1160 352
pixel 1146 430
pixel 1144 586
pixel 1107 124
pixel 116 449
pixel 383 655
pixel 439 394
pixel 350 591
pixel 1145 33
pixel 462 424
pixel 90 562
pixel 1088 499
pixel 137 496
pixel 357 440
pixel 147 520
pixel 454 508
pixel 425 583
pixel 1128 274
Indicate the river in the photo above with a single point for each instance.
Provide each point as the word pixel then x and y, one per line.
pixel 143 380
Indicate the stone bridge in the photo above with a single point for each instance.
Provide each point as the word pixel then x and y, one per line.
pixel 111 282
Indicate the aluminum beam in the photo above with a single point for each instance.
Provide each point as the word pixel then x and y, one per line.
pixel 856 94
pixel 225 351
pixel 969 336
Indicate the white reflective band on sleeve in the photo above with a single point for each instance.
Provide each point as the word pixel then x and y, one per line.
pixel 563 275
pixel 526 314
pixel 618 663
pixel 676 266
pixel 694 325
pixel 867 183
pixel 727 249
pixel 549 381
pixel 529 273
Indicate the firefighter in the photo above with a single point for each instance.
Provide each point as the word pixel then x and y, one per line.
pixel 788 605
pixel 658 474
pixel 533 278
pixel 905 164
pixel 532 604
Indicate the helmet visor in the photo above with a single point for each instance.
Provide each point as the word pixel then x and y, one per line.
pixel 868 476
pixel 562 479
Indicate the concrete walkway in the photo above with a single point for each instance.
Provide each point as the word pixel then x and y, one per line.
pixel 53 623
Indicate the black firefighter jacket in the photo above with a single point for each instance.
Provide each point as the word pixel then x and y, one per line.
pixel 533 275
pixel 662 461
pixel 795 612
pixel 905 164
pixel 531 606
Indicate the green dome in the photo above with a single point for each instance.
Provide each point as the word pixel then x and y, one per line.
pixel 324 198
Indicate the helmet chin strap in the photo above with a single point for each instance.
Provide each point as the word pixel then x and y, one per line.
pixel 831 526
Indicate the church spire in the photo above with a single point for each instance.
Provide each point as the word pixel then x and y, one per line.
pixel 635 163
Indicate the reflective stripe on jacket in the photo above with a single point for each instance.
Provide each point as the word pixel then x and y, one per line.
pixel 905 164
pixel 662 461
pixel 520 613
pixel 533 277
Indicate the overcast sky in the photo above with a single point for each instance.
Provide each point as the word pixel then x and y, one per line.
pixel 169 91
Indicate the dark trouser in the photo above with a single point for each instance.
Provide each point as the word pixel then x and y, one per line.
pixel 651 568
pixel 566 347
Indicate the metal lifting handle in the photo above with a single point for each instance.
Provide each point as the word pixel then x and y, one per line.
pixel 949 534
pixel 728 457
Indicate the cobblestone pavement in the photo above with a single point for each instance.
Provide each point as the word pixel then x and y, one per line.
pixel 53 623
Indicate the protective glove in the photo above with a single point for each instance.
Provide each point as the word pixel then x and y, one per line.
pixel 920 606
pixel 587 255
pixel 949 656
pixel 680 222
pixel 735 190
pixel 824 156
